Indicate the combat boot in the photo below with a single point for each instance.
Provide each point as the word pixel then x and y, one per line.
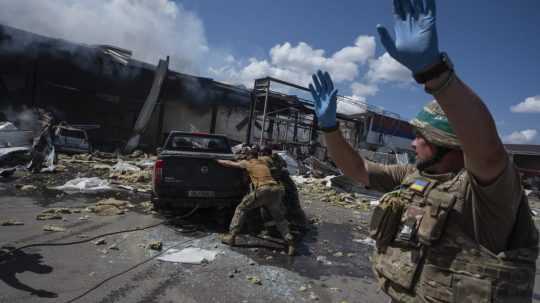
pixel 229 239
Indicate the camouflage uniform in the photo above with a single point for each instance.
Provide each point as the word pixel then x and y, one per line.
pixel 444 238
pixel 293 211
pixel 267 193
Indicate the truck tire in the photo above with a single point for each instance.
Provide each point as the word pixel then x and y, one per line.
pixel 158 203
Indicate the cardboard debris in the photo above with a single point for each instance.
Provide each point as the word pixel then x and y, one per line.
pixel 43 217
pixel 53 228
pixel 254 280
pixel 108 210
pixel 366 241
pixel 58 210
pixel 102 166
pixel 11 222
pixel 190 255
pixel 156 245
pixel 132 176
pixel 115 202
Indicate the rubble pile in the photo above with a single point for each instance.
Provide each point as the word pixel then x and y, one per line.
pixel 326 192
pixel 110 207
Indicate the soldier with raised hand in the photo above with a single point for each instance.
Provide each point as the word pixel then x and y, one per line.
pixel 455 227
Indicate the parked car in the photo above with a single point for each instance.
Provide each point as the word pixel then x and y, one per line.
pixel 71 140
pixel 187 175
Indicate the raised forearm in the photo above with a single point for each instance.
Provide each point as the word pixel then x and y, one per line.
pixel 474 127
pixel 345 157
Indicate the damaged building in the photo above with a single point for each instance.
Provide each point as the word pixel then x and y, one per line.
pixel 116 98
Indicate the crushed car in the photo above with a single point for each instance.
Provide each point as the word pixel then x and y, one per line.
pixel 68 139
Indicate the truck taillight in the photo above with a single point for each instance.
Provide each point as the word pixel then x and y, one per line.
pixel 158 171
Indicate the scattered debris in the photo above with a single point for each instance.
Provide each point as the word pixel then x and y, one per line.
pixel 11 222
pixel 59 210
pixel 85 185
pixel 53 228
pixel 190 255
pixel 254 280
pixel 302 288
pixel 156 245
pixel 28 187
pixel 323 260
pixel 366 241
pixel 7 172
pixel 123 167
pixel 44 217
pixel 321 169
pixel 100 242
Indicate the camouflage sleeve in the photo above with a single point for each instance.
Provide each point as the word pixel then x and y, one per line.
pixel 386 178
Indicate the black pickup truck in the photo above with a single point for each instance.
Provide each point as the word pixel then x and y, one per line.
pixel 187 175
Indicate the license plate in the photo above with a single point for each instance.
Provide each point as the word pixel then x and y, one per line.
pixel 201 193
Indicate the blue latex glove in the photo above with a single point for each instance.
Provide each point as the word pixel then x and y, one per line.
pixel 416 45
pixel 325 96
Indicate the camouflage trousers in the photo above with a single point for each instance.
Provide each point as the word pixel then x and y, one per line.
pixel 293 211
pixel 267 197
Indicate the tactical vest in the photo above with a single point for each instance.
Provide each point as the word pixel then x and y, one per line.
pixel 424 255
pixel 260 173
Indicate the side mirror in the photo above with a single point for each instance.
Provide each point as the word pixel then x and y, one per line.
pixel 159 150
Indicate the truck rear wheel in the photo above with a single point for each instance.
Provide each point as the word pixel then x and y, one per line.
pixel 158 203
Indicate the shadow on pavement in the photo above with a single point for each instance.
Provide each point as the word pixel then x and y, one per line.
pixel 20 262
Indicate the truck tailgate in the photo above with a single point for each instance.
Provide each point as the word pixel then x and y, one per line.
pixel 200 178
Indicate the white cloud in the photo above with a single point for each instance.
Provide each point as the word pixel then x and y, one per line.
pixel 386 69
pixel 297 63
pixel 364 90
pixel 530 105
pixel 152 29
pixel 521 137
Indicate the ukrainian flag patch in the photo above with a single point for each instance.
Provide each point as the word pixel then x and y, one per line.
pixel 419 185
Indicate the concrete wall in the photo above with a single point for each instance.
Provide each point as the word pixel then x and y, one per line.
pixel 185 117
pixel 228 120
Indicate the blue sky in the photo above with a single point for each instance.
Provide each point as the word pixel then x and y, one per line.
pixel 493 44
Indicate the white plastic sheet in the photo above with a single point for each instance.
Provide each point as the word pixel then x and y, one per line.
pixel 190 255
pixel 8 150
pixel 366 241
pixel 85 185
pixel 7 126
pixel 49 161
pixel 122 166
